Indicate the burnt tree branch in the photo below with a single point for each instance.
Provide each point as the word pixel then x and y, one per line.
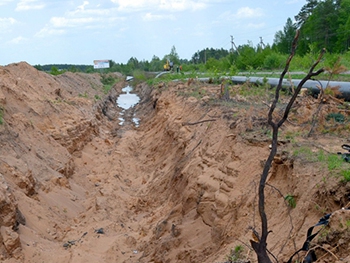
pixel 260 247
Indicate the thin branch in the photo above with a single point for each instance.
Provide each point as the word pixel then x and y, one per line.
pixel 198 122
pixel 327 250
pixel 300 85
pixel 289 215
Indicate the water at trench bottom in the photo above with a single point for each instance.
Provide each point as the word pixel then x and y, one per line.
pixel 126 101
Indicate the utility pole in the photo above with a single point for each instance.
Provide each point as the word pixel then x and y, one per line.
pixel 233 44
pixel 262 43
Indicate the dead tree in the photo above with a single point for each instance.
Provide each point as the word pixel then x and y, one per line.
pixel 260 245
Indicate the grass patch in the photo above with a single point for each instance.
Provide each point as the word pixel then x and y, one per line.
pixel 235 254
pixel 108 81
pixel 85 95
pixel 346 175
pixel 195 92
pixel 305 153
pixel 333 162
pixel 290 135
pixel 1 115
pixel 290 200
pixel 168 77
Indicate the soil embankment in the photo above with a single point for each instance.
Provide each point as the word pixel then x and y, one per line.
pixel 76 186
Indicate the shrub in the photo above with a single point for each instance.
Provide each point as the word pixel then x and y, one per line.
pixel 274 61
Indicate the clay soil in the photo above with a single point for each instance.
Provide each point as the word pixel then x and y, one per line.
pixel 77 186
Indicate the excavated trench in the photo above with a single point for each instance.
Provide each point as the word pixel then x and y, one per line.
pixel 178 187
pixel 194 193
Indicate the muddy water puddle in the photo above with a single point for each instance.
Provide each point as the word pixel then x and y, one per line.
pixel 127 100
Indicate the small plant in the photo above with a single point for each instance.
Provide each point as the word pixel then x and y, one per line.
pixel 289 135
pixel 305 153
pixel 235 254
pixel 1 115
pixel 347 223
pixel 334 162
pixel 85 95
pixel 324 232
pixel 139 75
pixel 346 175
pixel 107 81
pixel 290 200
pixel 337 117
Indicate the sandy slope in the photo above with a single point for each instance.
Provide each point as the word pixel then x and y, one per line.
pixel 181 187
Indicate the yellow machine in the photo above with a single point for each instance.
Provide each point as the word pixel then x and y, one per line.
pixel 168 65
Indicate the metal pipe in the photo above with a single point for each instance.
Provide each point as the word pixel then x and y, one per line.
pixel 344 87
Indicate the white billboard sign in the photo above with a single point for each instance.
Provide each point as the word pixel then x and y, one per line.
pixel 101 64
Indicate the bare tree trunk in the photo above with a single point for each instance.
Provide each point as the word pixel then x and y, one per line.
pixel 260 247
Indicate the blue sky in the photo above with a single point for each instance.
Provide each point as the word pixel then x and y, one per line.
pixel 78 32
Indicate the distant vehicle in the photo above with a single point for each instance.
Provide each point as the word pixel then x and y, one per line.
pixel 168 65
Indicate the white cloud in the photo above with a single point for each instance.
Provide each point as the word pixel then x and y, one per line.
pixel 83 17
pixel 6 23
pixel 181 5
pixel 152 17
pixel 17 40
pixel 82 7
pixel 171 5
pixel 71 22
pixel 25 5
pixel 49 31
pixel 247 12
pixel 5 2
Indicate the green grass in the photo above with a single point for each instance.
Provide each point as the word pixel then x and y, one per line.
pixel 85 95
pixel 346 175
pixel 347 223
pixel 290 200
pixel 1 115
pixel 108 81
pixel 168 77
pixel 333 162
pixel 305 153
pixel 235 254
pixel 290 135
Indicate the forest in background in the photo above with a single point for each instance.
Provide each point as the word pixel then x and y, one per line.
pixel 322 24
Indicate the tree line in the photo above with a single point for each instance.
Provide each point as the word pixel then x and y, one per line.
pixel 322 24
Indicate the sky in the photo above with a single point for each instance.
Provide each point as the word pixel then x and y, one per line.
pixel 42 32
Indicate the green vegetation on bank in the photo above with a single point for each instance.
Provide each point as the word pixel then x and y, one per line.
pixel 334 163
pixel 108 81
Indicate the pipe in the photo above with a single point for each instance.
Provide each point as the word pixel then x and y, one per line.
pixel 344 87
pixel 161 73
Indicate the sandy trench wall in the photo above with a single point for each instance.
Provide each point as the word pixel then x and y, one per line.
pixel 45 121
pixel 197 183
pixel 202 184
